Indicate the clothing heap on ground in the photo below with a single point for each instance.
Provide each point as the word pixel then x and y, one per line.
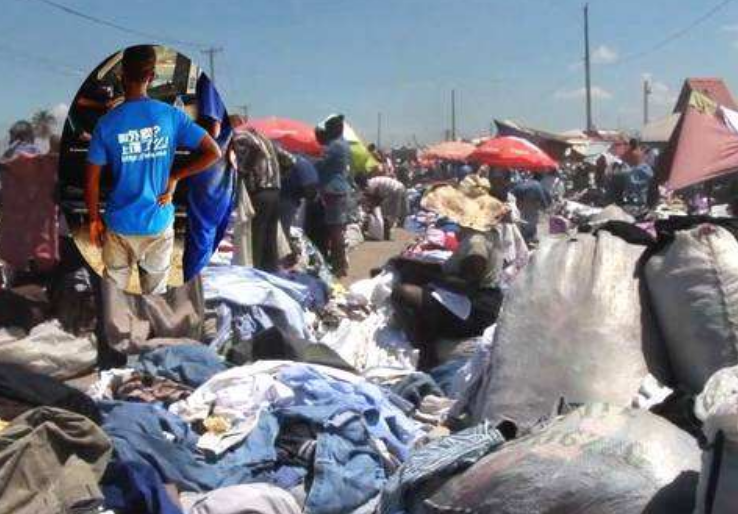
pixel 456 377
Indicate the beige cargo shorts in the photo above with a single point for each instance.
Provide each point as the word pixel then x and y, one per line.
pixel 152 254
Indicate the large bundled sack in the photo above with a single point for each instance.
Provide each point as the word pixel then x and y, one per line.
pixel 375 225
pixel 693 284
pixel 717 408
pixel 599 459
pixel 572 326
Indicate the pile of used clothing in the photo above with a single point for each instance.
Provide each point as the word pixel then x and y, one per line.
pixel 606 384
pixel 240 390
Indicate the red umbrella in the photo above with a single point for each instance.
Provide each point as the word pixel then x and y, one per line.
pixel 513 152
pixel 294 136
pixel 449 151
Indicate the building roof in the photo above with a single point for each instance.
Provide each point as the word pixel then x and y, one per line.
pixel 660 131
pixel 714 88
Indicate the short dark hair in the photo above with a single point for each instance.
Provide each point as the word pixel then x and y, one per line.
pixel 22 132
pixel 138 62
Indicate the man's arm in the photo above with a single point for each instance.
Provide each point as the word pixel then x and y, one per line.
pixel 92 199
pixel 212 126
pixel 207 154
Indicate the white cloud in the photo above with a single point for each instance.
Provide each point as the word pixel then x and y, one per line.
pixel 603 54
pixel 598 93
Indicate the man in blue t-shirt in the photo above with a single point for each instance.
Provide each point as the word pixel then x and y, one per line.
pixel 137 141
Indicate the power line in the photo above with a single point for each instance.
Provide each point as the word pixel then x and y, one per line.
pixel 565 79
pixel 676 35
pixel 116 26
pixel 45 62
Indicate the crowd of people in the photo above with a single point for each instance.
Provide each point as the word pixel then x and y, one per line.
pixel 526 299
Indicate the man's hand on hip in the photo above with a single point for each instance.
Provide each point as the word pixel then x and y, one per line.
pixel 168 195
pixel 97 232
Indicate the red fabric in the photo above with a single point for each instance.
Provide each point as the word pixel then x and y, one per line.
pixel 451 243
pixel 294 136
pixel 449 151
pixel 704 148
pixel 29 228
pixel 513 152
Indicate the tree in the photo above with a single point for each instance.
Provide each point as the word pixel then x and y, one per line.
pixel 43 123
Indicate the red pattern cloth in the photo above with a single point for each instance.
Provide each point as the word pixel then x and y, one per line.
pixel 29 231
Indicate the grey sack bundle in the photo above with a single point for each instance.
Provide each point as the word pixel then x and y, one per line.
pixel 599 459
pixel 693 284
pixel 573 326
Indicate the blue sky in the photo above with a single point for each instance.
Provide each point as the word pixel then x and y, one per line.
pixel 307 58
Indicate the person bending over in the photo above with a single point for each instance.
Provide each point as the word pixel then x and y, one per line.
pixel 391 195
pixel 458 299
pixel 136 143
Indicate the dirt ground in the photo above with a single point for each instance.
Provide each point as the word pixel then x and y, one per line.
pixel 364 258
pixel 373 254
pixel 93 256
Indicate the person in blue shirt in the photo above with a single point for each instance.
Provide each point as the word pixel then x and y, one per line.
pixel 333 172
pixel 210 194
pixel 301 183
pixel 532 200
pixel 136 143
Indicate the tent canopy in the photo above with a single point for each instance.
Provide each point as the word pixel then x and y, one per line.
pixel 704 145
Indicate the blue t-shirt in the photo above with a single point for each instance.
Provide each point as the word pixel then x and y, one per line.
pixel 303 174
pixel 333 167
pixel 138 140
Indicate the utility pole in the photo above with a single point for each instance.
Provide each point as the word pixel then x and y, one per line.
pixel 379 130
pixel 453 115
pixel 587 69
pixel 210 52
pixel 647 90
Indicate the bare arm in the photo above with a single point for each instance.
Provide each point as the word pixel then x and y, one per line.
pixel 213 127
pixel 92 104
pixel 92 199
pixel 207 154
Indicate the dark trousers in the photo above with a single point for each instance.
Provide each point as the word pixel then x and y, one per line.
pixel 264 229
